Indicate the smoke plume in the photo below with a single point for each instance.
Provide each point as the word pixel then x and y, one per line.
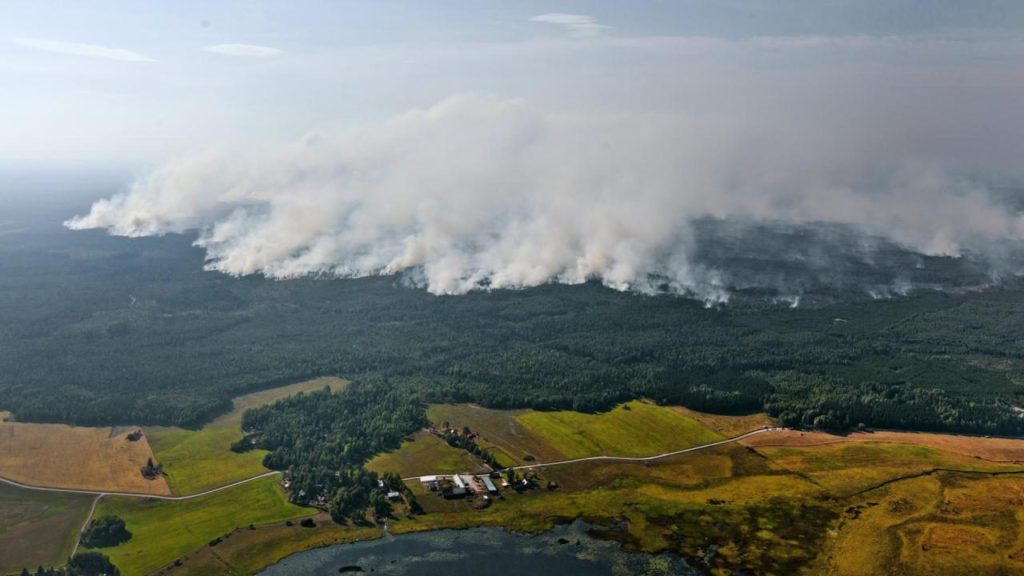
pixel 478 191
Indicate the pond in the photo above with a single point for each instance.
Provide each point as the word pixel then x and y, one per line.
pixel 565 551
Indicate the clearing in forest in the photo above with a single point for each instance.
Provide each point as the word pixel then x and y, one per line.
pixel 632 429
pixel 425 454
pixel 197 460
pixel 499 432
pixel 61 456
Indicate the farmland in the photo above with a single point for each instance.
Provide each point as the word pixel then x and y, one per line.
pixel 992 449
pixel 777 503
pixel 197 460
pixel 163 531
pixel 38 528
pixel 424 454
pixel 631 429
pixel 500 431
pixel 61 456
pixel 247 551
pixel 786 504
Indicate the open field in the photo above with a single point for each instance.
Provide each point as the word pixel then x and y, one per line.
pixel 848 468
pixel 500 431
pixel 61 456
pixel 767 509
pixel 729 426
pixel 631 429
pixel 936 525
pixel 248 551
pixel 664 506
pixel 423 455
pixel 773 509
pixel 163 531
pixel 759 517
pixel 38 528
pixel 197 460
pixel 994 449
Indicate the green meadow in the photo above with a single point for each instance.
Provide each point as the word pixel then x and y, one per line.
pixel 425 454
pixel 198 460
pixel 631 429
pixel 163 531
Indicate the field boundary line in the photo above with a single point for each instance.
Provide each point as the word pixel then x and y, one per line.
pixel 101 493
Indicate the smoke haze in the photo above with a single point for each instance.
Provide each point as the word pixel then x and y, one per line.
pixel 480 191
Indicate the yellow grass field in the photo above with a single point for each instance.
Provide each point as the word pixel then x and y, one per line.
pixel 993 449
pixel 945 524
pixel 60 456
pixel 197 460
pixel 631 429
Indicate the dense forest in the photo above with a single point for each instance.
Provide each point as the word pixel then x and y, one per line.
pixel 101 330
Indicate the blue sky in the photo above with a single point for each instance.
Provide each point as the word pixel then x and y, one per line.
pixel 131 82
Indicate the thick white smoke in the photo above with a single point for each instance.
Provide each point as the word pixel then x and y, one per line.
pixel 479 191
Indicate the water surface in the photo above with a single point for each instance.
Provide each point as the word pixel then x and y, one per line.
pixel 564 551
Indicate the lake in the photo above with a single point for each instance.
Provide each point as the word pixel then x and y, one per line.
pixel 565 551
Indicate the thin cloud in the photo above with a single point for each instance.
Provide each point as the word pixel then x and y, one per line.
pixel 244 50
pixel 84 50
pixel 578 25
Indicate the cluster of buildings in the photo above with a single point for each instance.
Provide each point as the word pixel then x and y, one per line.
pixel 459 485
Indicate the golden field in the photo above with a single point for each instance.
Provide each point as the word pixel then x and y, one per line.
pixel 60 456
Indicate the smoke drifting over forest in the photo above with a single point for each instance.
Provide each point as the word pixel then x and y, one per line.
pixel 479 191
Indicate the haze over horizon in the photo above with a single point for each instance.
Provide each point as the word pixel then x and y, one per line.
pixel 488 144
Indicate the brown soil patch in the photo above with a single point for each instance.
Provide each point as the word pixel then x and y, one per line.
pixel 952 536
pixel 991 449
pixel 60 456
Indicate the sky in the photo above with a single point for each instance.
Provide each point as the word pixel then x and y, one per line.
pixel 129 83
pixel 510 144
